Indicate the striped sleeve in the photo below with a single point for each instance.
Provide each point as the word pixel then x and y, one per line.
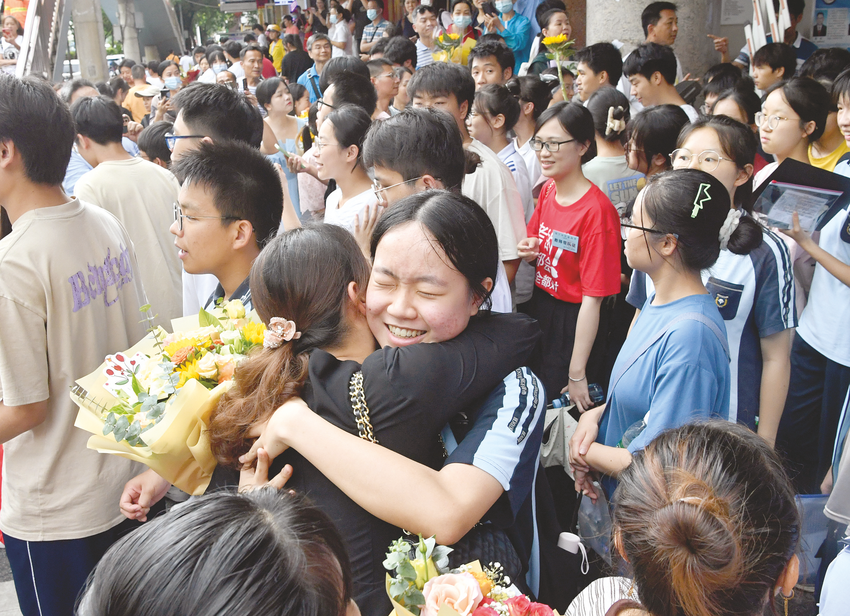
pixel 505 439
pixel 774 307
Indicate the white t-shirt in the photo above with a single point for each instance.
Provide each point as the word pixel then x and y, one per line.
pixel 142 196
pixel 70 294
pixel 625 87
pixel 197 289
pixel 492 186
pixel 693 115
pixel 765 172
pixel 823 323
pixel 532 163
pixel 339 33
pixel 237 70
pixel 356 206
pixel 524 279
pixel 613 177
pixel 10 52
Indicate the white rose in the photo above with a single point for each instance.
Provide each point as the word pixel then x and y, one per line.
pixel 207 367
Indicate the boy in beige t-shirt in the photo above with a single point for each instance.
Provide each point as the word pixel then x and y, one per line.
pixel 70 293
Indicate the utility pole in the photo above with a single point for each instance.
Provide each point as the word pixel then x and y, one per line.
pixel 88 35
pixel 130 36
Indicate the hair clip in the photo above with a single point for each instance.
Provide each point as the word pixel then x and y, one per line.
pixel 278 332
pixel 700 199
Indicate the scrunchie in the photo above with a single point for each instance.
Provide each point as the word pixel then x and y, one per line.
pixel 729 226
pixel 278 331
pixel 612 125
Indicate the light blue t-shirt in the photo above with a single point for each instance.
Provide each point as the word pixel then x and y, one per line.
pixel 683 376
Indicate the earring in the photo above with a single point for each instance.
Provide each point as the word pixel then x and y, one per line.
pixel 787 599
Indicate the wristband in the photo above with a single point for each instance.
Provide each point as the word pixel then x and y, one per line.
pixel 576 380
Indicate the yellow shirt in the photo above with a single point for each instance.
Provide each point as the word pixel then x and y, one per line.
pixel 460 55
pixel 828 162
pixel 277 53
pixel 134 104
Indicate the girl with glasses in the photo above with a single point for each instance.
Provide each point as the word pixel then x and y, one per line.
pixel 754 292
pixel 674 367
pixel 574 238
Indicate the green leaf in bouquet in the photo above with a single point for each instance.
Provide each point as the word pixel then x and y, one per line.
pixel 205 319
pixel 121 427
pixel 441 557
pixel 430 543
pixel 134 430
pixel 551 56
pixel 393 560
pixel 398 587
pixel 144 308
pixel 414 597
pixel 122 382
pixel 157 411
pixel 406 570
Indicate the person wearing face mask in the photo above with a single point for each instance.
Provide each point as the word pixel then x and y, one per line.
pixel 462 25
pixel 342 43
pixel 375 30
pixel 161 108
pixel 514 28
pixel 218 63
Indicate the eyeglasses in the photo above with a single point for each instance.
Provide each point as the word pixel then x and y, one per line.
pixel 647 229
pixel 171 139
pixel 772 120
pixel 179 216
pixel 390 75
pixel 552 146
pixel 320 146
pixel 376 185
pixel 321 103
pixel 707 160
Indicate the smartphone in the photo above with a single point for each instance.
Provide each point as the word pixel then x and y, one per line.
pixel 245 84
pixel 489 9
pixel 165 94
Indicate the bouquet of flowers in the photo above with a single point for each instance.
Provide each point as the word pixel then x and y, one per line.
pixel 423 585
pixel 448 42
pixel 152 402
pixel 560 48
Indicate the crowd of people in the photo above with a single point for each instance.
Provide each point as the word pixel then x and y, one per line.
pixel 454 239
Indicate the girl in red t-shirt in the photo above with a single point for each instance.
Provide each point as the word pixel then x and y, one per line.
pixel 574 236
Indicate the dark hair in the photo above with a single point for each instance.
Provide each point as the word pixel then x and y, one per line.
pixel 257 26
pixel 212 48
pixel 220 113
pixel 127 63
pixel 602 57
pixel 343 12
pixel 285 17
pixel 351 123
pixel 39 124
pixel 531 89
pixel 795 7
pixel 544 7
pixel 548 15
pixel 376 67
pixel 293 40
pixel 651 15
pixel 283 284
pixel 233 48
pixel 354 89
pixel 707 520
pixel 138 71
pixel 399 50
pixel 99 118
pixel 776 56
pixel 310 128
pixel 739 143
pixel 458 225
pixel 103 88
pixel 243 182
pixel 503 54
pixel 116 84
pixel 199 49
pixel 249 38
pixel 669 202
pixel 342 64
pixel 66 92
pixel 262 552
pixel 380 3
pixel 491 37
pixel 651 58
pixel 297 91
pixel 576 120
pixel 841 86
pixel 809 100
pixel 153 66
pixel 248 48
pixel 745 97
pixel 655 129
pixel 443 79
pixel 151 141
pixel 720 78
pixel 826 64
pixel 165 64
pixel 379 46
pixel 494 100
pixel 599 104
pixel 456 2
pixel 267 89
pixel 217 56
pixel 418 142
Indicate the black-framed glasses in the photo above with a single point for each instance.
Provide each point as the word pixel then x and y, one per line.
pixel 179 216
pixel 321 103
pixel 647 229
pixel 171 139
pixel 552 146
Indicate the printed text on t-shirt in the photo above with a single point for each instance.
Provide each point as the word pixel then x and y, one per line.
pixel 115 272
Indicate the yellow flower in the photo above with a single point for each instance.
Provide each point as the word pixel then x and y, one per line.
pixel 234 309
pixel 188 370
pixel 483 582
pixel 454 36
pixel 555 40
pixel 253 332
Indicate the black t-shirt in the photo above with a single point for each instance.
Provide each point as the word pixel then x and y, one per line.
pixel 411 392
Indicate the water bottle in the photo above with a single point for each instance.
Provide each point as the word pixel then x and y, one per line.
pixel 597 397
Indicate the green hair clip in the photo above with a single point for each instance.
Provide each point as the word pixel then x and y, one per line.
pixel 701 198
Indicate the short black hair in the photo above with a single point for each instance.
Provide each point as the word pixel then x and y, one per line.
pixel 127 62
pixel 216 111
pixel 243 182
pixel 116 84
pixel 380 3
pixel 531 89
pixel 576 120
pixel 720 78
pixel 377 66
pixel 39 124
pixel 776 56
pixel 418 142
pixel 826 64
pixel 247 49
pixel 233 48
pixel 342 64
pixel 443 79
pixel 399 50
pixel 795 7
pixel 165 64
pixel 651 15
pixel 809 99
pixel 266 90
pixel 257 26
pixel 841 86
pixel 650 58
pixel 294 41
pixel 153 66
pixel 151 141
pixel 544 7
pixel 602 57
pixel 249 38
pixel 744 96
pixel 379 46
pixel 138 71
pixel 199 49
pixel 655 130
pixel 503 54
pixel 99 118
pixel 354 89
